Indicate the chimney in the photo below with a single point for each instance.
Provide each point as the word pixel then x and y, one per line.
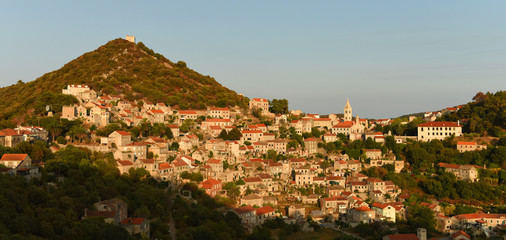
pixel 421 233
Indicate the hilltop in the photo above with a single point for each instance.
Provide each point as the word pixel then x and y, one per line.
pixel 122 68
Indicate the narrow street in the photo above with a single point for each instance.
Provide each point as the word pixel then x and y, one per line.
pixel 335 228
pixel 172 224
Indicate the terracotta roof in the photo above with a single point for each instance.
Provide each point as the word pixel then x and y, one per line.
pixel 439 124
pixel 149 161
pixel 264 175
pixel 363 209
pixel 209 183
pixel 217 120
pixel 310 140
pixel 214 161
pixel 459 233
pixel 479 215
pixel 448 165
pixel 164 166
pixel 134 221
pixel 260 99
pixel 330 178
pixel 187 112
pixel 219 109
pixel 157 111
pixel 179 163
pixel 347 124
pixel 125 162
pixel 379 205
pixel 244 209
pixel 297 160
pixel 264 210
pixel 252 179
pixel 123 133
pixel 466 143
pixel 13 157
pixel 9 132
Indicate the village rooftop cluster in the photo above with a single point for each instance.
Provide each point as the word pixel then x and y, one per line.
pixel 265 188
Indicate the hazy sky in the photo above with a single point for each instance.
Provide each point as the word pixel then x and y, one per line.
pixel 388 57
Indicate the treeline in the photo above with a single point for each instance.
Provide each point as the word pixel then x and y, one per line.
pixel 485 115
pixel 51 207
pixel 445 185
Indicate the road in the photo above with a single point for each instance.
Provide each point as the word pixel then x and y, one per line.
pixel 172 225
pixel 335 228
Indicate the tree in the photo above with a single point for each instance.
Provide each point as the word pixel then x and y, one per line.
pixel 421 216
pixel 278 106
pixel 174 146
pixel 223 134
pixel 234 134
pixel 187 125
pixel 78 132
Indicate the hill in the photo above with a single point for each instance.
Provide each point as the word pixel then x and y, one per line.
pixel 485 115
pixel 121 68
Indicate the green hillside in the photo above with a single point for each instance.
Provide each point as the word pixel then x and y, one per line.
pixel 122 68
pixel 485 115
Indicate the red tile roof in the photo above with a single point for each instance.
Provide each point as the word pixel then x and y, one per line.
pixel 260 99
pixel 363 209
pixel 134 221
pixel 187 112
pixel 164 166
pixel 459 233
pixel 125 162
pixel 209 183
pixel 252 179
pixel 9 132
pixel 157 111
pixel 217 120
pixel 219 109
pixel 13 157
pixel 439 124
pixel 215 161
pixel 466 143
pixel 123 133
pixel 347 124
pixel 148 161
pixel 264 210
pixel 244 209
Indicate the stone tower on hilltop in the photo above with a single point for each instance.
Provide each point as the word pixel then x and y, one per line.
pixel 130 38
pixel 347 111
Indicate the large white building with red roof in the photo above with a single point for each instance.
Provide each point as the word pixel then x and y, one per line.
pixel 218 112
pixel 261 103
pixel 438 130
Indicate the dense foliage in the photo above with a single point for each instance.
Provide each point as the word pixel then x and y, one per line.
pixel 51 207
pixel 485 115
pixel 121 67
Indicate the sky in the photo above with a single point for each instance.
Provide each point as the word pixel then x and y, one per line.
pixel 389 58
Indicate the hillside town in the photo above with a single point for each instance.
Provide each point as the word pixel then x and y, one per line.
pixel 245 154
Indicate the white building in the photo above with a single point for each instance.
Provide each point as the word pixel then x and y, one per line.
pixel 438 130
